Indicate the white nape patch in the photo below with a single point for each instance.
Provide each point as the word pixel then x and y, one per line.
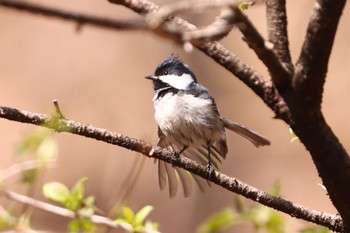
pixel 179 82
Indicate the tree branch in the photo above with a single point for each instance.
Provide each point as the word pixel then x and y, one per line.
pixel 81 19
pixel 312 65
pixel 304 101
pixel 53 208
pixel 280 75
pixel 277 31
pixel 333 222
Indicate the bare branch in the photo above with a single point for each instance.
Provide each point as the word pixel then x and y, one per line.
pixel 277 31
pixel 53 208
pixel 214 31
pixel 333 222
pixel 81 19
pixel 264 50
pixel 20 167
pixel 58 109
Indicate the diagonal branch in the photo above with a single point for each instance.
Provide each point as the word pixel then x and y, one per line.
pixel 53 208
pixel 333 222
pixel 312 65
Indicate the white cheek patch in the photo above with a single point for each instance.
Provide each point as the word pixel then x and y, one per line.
pixel 179 82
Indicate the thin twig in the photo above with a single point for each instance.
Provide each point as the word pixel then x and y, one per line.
pixel 58 109
pixel 53 208
pixel 20 167
pixel 214 31
pixel 333 222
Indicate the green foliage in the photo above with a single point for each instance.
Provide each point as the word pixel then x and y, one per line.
pixel 74 200
pixel 219 221
pixel 43 148
pixel 71 199
pixel 57 124
pixel 135 221
pixel 7 220
pixel 56 192
pixel 262 218
pixel 78 225
pixel 244 5
pixel 314 229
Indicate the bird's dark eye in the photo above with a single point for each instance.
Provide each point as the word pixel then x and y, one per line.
pixel 165 72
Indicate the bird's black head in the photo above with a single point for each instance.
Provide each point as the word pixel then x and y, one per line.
pixel 172 72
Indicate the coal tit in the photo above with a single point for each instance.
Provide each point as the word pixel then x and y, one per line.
pixel 188 122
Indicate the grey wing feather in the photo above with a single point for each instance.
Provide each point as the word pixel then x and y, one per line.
pixel 162 174
pixel 171 174
pixel 185 181
pixel 167 173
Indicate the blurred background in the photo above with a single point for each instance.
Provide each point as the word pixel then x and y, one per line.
pixel 97 76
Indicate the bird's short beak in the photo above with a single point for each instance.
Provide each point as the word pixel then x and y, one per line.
pixel 152 77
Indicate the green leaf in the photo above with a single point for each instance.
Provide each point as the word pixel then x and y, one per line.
pixel 218 222
pixel 74 226
pixel 78 189
pixel 244 5
pixel 87 225
pixel 72 203
pixel 81 225
pixel 128 214
pixel 57 192
pixel 142 214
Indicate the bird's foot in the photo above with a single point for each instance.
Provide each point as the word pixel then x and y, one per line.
pixel 210 169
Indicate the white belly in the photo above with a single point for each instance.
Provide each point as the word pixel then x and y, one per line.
pixel 187 121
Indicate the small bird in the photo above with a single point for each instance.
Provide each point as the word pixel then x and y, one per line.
pixel 189 123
